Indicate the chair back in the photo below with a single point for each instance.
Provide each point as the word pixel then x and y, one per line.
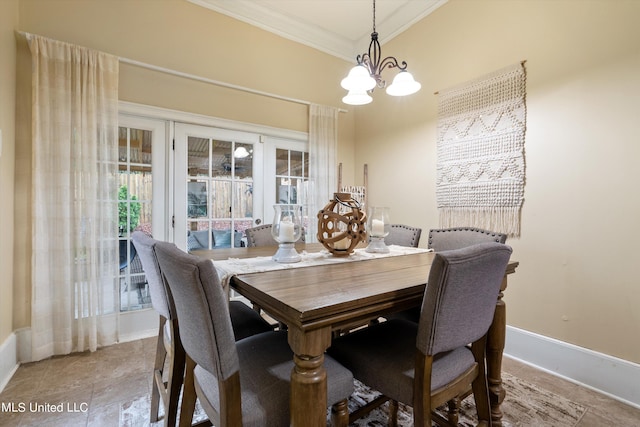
pixel 203 311
pixel 260 236
pixel 403 235
pixel 145 247
pixel 446 239
pixel 460 297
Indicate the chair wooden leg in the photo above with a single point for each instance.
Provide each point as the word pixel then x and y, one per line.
pixel 480 386
pixel 340 414
pixel 176 377
pixel 158 369
pixel 454 410
pixel 188 394
pixel 393 413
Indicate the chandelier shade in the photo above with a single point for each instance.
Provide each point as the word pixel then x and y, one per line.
pixel 358 79
pixel 403 84
pixel 357 97
pixel 367 74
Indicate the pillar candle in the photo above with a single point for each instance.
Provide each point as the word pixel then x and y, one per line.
pixel 286 231
pixel 341 244
pixel 377 227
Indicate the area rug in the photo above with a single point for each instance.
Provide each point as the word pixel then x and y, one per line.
pixel 525 405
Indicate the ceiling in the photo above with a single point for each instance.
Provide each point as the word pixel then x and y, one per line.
pixel 339 27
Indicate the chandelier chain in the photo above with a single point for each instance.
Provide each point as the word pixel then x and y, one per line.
pixel 374 16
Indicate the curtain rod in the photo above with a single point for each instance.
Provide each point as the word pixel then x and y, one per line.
pixel 205 80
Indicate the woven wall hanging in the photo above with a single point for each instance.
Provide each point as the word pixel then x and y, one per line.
pixel 480 148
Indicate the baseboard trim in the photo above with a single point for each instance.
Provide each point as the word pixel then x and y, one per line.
pixel 138 335
pixel 8 360
pixel 614 377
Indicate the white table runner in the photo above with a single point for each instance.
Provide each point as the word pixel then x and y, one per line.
pixel 233 266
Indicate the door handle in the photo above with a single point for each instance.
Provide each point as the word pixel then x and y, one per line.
pixel 258 221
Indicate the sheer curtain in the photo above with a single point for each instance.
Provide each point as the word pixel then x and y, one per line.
pixel 74 218
pixel 323 143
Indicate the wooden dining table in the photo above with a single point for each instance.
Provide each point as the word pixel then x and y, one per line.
pixel 315 301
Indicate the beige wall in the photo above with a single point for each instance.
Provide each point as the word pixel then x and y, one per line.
pixel 577 248
pixel 577 280
pixel 8 21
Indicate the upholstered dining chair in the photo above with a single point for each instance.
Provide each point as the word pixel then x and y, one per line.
pixel 237 383
pixel 425 365
pixel 403 235
pixel 260 236
pixel 445 239
pixel 245 322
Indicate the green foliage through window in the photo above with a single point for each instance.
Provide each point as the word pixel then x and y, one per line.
pixel 134 211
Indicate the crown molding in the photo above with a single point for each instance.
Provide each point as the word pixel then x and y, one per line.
pixel 306 33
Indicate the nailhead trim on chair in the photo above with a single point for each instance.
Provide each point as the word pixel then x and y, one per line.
pixel 498 236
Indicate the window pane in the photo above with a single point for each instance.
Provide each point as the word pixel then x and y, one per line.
pixel 222 159
pixel 135 194
pixel 243 159
pixel 221 199
pixel 199 235
pixel 198 156
pixel 282 162
pixel 197 199
pixel 296 163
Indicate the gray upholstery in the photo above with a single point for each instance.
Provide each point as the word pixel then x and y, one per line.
pixel 245 321
pixel 403 235
pixel 265 380
pixel 446 239
pixel 264 361
pixel 260 236
pixel 145 247
pixel 457 309
pixel 461 295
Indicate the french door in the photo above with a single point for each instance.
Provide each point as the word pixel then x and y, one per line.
pixel 198 185
pixel 218 186
pixel 227 181
pixel 142 176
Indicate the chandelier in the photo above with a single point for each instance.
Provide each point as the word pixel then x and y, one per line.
pixel 367 74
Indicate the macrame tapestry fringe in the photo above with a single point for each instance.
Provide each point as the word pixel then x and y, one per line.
pixel 481 170
pixel 358 193
pixel 503 220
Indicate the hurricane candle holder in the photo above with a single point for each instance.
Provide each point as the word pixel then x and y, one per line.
pixel 341 225
pixel 286 230
pixel 378 227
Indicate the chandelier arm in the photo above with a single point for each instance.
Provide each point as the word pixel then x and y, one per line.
pixel 392 62
pixel 373 62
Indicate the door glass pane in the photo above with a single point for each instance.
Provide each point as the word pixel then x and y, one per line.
pixel 291 175
pixel 198 158
pixel 134 213
pixel 219 192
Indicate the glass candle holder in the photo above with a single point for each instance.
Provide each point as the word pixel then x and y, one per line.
pixel 286 230
pixel 378 227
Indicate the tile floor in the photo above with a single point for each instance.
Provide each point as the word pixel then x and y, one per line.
pixel 90 387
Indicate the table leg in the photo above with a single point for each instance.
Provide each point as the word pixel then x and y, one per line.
pixel 309 378
pixel 495 348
